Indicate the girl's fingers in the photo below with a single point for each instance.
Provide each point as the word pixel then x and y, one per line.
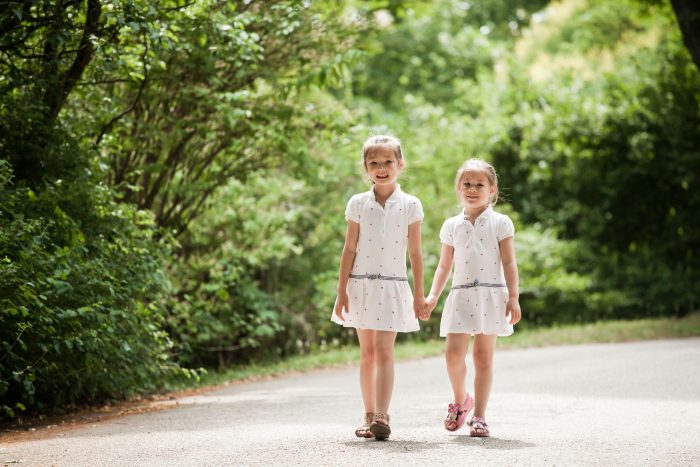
pixel 339 310
pixel 514 317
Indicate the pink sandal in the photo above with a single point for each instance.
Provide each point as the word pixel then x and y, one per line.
pixel 458 413
pixel 480 428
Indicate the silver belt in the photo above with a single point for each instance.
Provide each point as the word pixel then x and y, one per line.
pixel 378 276
pixel 476 283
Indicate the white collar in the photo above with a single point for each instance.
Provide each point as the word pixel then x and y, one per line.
pixel 394 195
pixel 486 213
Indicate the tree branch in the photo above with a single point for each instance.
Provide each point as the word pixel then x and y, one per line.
pixel 82 58
pixel 171 164
pixel 110 124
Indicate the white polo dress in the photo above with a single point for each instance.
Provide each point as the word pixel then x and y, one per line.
pixel 477 301
pixel 379 294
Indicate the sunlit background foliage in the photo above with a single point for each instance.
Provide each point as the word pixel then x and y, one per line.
pixel 173 175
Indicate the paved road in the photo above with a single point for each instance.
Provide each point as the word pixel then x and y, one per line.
pixel 610 404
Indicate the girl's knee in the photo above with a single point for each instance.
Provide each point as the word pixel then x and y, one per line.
pixel 367 353
pixel 454 356
pixel 483 359
pixel 383 354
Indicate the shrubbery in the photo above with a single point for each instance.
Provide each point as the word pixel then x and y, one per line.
pixel 81 281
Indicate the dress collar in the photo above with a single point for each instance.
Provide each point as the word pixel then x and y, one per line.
pixel 394 196
pixel 481 219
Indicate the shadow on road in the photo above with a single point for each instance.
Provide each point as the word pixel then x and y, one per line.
pixel 393 446
pixel 493 443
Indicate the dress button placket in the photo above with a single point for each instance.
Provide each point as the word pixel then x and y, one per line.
pixel 386 206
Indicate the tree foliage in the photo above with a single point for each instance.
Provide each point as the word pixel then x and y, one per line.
pixel 207 102
pixel 80 277
pixel 173 176
pixel 81 273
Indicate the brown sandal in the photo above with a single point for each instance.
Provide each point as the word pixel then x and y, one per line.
pixel 363 431
pixel 380 426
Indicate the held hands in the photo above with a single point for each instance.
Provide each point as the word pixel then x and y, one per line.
pixel 429 304
pixel 513 309
pixel 341 305
pixel 419 305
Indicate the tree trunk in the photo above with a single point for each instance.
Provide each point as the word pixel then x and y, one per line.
pixel 688 16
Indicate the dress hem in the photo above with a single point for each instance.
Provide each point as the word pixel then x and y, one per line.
pixel 375 328
pixel 473 333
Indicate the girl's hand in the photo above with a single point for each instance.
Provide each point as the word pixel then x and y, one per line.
pixel 419 304
pixel 425 312
pixel 341 304
pixel 513 309
pixel 430 304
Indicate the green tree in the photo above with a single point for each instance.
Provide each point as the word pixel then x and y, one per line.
pixel 80 273
pixel 610 158
pixel 209 103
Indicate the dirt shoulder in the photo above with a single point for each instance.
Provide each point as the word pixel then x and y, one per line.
pixel 36 427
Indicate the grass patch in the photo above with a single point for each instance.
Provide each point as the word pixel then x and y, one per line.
pixel 607 332
pixel 599 332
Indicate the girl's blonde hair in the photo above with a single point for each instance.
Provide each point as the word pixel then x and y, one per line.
pixel 478 165
pixel 382 141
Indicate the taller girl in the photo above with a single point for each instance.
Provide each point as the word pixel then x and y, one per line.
pixel 483 301
pixel 373 292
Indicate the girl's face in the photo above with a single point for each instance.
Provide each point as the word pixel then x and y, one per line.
pixel 475 189
pixel 382 166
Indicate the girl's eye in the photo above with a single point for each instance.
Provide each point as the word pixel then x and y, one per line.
pixel 372 163
pixel 389 162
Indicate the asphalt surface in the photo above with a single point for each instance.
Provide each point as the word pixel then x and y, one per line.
pixel 605 404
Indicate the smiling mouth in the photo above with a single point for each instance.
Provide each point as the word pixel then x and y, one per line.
pixel 382 177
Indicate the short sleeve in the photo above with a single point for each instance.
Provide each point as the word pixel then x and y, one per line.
pixel 415 211
pixel 352 210
pixel 447 233
pixel 504 228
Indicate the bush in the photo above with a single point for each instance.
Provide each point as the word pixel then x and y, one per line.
pixel 80 281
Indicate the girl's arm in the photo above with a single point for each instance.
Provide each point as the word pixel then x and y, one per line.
pixel 510 271
pixel 347 259
pixel 440 278
pixel 416 255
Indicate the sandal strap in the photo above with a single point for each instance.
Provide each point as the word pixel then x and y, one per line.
pixel 453 413
pixel 381 418
pixel 455 410
pixel 480 422
pixel 366 423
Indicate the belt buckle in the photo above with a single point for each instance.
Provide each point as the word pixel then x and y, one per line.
pixel 373 276
pixel 476 282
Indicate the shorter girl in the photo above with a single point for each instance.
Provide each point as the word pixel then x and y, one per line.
pixel 483 301
pixel 373 292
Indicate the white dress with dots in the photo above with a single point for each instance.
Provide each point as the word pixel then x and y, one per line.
pixel 477 302
pixel 384 301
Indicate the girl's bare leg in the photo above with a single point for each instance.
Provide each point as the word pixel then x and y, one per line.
pixel 456 349
pixel 368 369
pixel 484 347
pixel 384 359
